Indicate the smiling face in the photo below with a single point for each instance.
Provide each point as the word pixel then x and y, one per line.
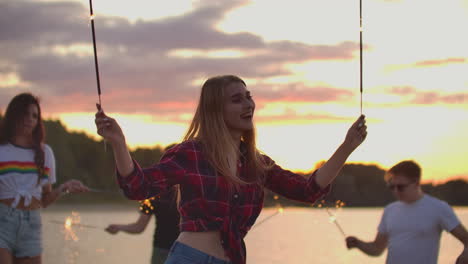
pixel 238 108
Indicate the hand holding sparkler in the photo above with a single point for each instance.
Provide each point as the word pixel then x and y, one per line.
pixel 352 242
pixel 372 248
pixel 357 133
pixel 113 229
pixel 73 186
pixel 108 128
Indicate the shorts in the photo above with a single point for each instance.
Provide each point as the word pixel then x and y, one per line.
pixel 183 254
pixel 20 231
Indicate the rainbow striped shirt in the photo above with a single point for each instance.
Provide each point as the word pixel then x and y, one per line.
pixel 19 174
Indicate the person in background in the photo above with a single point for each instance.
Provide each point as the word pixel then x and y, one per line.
pixel 411 227
pixel 220 172
pixel 27 173
pixel 164 208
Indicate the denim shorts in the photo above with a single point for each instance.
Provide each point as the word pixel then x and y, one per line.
pixel 20 231
pixel 183 254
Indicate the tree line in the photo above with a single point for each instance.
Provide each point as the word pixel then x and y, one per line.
pixel 78 156
pixel 359 185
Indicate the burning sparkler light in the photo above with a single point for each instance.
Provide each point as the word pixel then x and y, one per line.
pixel 332 217
pixel 278 211
pixel 70 234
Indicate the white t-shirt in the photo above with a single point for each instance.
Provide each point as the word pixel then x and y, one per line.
pixel 414 229
pixel 18 173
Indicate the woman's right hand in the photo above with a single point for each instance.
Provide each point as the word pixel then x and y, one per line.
pixel 351 242
pixel 113 229
pixel 73 186
pixel 108 128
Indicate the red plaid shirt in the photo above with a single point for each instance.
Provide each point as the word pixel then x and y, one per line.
pixel 208 202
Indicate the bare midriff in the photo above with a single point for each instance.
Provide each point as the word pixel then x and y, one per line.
pixel 208 242
pixel 35 204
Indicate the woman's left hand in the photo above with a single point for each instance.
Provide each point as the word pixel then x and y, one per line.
pixel 356 133
pixel 73 186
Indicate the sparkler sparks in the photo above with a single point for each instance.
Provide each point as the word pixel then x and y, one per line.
pixel 332 217
pixel 70 234
pixel 278 211
pixel 70 222
pixel 147 205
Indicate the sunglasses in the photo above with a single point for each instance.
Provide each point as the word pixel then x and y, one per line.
pixel 399 187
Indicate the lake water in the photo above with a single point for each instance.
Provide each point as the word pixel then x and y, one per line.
pixel 296 236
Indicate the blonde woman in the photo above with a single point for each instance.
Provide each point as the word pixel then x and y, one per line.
pixel 220 172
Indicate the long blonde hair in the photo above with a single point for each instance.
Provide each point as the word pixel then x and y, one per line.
pixel 209 128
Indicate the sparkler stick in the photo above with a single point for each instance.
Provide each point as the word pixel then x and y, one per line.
pixel 102 191
pixel 360 49
pixel 278 211
pixel 75 224
pixel 95 50
pixel 96 64
pixel 333 219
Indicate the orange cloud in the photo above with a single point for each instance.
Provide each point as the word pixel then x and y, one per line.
pixel 415 96
pixel 430 63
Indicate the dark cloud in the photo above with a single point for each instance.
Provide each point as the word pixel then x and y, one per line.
pixel 136 69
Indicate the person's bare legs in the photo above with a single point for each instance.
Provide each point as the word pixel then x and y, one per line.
pixel 5 256
pixel 31 260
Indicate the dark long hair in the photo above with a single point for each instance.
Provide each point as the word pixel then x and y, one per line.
pixel 14 114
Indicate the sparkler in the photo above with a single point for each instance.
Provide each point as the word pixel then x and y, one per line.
pixel 69 223
pixel 73 221
pixel 95 50
pixel 280 210
pixel 102 191
pixel 360 49
pixel 96 65
pixel 333 219
pixel 338 205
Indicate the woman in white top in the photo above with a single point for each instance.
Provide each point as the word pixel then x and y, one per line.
pixel 27 172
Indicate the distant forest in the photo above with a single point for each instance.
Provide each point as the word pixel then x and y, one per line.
pixel 79 156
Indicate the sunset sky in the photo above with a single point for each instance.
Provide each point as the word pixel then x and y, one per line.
pixel 299 58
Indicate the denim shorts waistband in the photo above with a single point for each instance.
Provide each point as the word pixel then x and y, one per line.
pixel 183 249
pixel 5 209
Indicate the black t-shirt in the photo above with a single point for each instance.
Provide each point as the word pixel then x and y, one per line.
pixel 164 207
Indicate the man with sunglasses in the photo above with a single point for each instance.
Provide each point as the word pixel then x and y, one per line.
pixel 411 227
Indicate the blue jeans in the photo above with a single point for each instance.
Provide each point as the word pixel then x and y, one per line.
pixel 183 254
pixel 20 231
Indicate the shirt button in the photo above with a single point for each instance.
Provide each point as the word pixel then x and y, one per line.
pixel 236 196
